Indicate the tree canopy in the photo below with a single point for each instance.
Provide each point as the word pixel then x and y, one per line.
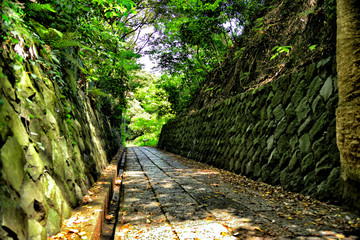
pixel 95 45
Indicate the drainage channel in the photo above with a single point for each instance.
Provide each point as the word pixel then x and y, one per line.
pixel 111 217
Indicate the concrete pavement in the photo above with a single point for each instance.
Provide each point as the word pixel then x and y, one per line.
pixel 162 198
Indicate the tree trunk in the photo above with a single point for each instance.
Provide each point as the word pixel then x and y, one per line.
pixel 348 111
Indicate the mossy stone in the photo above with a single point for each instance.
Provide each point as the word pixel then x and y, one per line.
pixel 318 105
pixel 302 110
pixel 290 111
pixel 12 215
pixel 29 195
pixel 283 144
pixel 54 196
pixel 305 125
pixel 319 148
pixel 327 89
pixel 36 230
pixel 14 124
pixel 314 87
pixel 35 166
pixel 323 62
pixel 280 128
pixel 279 113
pixel 12 162
pixel 319 126
pixel 310 70
pixel 304 143
pixel 299 93
pixel 53 223
pixel 277 99
pixel 26 86
pixel 270 142
pixel 284 178
pixel 309 183
pixel 294 161
pixel 274 158
pixel 284 161
pixel 308 163
pixel 292 127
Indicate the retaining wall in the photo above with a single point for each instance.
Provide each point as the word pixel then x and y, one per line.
pixel 282 133
pixel 52 148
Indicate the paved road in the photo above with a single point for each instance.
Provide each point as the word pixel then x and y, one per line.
pixel 164 199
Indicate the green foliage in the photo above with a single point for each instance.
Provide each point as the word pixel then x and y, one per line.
pixel 194 39
pixel 148 110
pixel 80 42
pixel 178 90
pixel 330 7
pixel 312 47
pixel 280 49
pixel 37 7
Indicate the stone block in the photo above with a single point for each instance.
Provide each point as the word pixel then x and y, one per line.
pixel 305 125
pixel 309 72
pixel 309 183
pixel 257 170
pixel 34 166
pixel 290 111
pixel 36 231
pixel 12 215
pixel 14 124
pixel 270 96
pixel 327 88
pixel 266 173
pixel 269 112
pixel 307 164
pixel 277 99
pixel 304 143
pixel 270 142
pixel 274 158
pixel 32 201
pixel 12 162
pixel 283 144
pixel 318 106
pixel 303 109
pixel 263 114
pixel 323 172
pixel 237 165
pixel 54 196
pixel 294 161
pixel 279 113
pixel 284 177
pixel 294 141
pixel 292 127
pixel 299 93
pixel 323 62
pixel 314 88
pixel 284 160
pixel 318 148
pixel 280 128
pixel 319 126
pixel 53 223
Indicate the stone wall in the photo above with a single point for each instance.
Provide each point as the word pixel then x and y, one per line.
pixel 52 148
pixel 282 133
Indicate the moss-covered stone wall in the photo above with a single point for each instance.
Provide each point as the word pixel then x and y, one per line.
pixel 282 133
pixel 52 148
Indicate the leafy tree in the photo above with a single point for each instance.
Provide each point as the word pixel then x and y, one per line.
pixel 148 109
pixel 195 37
pixel 81 39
